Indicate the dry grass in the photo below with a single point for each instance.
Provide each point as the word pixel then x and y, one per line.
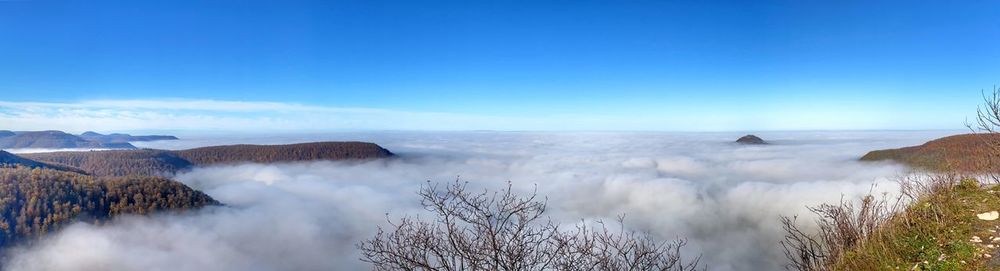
pixel 929 227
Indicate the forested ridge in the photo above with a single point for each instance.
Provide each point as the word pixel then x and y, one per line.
pixel 37 201
pixel 43 192
pixel 55 140
pixel 119 162
pixel 10 160
pixel 284 153
pixel 164 163
pixel 967 153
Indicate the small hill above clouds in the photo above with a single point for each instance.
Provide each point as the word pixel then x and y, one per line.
pixel 164 163
pixel 751 140
pixel 964 153
pixel 5 133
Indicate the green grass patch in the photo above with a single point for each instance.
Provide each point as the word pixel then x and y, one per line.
pixel 933 233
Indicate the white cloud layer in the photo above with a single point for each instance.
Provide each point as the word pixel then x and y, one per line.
pixel 220 115
pixel 724 198
pixel 215 115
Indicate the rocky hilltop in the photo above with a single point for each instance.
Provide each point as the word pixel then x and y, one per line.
pixel 751 140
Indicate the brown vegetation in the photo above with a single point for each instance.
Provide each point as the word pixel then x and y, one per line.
pixel 977 153
pixel 118 163
pixel 284 153
pixel 968 153
pixel 933 225
pixel 11 160
pixel 34 202
pixel 164 163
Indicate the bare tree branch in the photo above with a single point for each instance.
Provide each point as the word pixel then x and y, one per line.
pixel 504 231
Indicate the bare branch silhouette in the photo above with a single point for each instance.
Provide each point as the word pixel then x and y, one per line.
pixel 504 231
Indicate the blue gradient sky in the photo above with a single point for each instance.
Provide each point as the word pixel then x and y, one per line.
pixel 593 65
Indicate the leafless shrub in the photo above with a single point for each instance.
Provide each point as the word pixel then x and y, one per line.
pixel 804 251
pixel 505 231
pixel 914 186
pixel 988 113
pixel 840 227
pixel 597 248
pixel 988 122
pixel 847 226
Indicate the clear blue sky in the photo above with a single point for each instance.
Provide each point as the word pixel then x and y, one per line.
pixel 766 64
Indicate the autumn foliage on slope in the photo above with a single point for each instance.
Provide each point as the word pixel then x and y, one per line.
pixel 11 160
pixel 963 153
pixel 34 202
pixel 118 162
pixel 164 163
pixel 284 153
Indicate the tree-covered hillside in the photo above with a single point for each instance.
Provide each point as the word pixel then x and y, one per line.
pixel 11 160
pixel 34 202
pixel 284 153
pixel 968 153
pixel 53 140
pixel 164 163
pixel 118 162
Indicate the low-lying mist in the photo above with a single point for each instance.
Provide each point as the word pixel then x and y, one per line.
pixel 43 150
pixel 723 197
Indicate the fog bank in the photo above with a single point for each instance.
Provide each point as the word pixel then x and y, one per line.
pixel 725 198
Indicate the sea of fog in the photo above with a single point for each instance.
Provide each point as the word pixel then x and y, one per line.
pixel 723 197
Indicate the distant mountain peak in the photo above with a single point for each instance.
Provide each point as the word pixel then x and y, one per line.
pixel 52 139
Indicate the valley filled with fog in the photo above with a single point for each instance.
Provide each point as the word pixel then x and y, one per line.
pixel 723 197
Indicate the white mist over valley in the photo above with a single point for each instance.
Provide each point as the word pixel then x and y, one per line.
pixel 724 198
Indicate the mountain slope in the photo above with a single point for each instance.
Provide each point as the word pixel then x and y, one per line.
pixel 163 163
pixel 284 153
pixel 55 140
pixel 964 153
pixel 34 202
pixel 118 162
pixel 11 160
